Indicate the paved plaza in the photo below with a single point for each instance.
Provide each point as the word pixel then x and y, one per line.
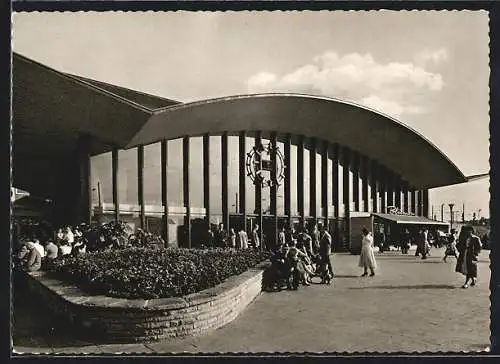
pixel 410 305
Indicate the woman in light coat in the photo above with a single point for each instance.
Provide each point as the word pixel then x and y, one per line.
pixel 367 257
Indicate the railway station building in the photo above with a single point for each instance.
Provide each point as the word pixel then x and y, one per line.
pixel 98 152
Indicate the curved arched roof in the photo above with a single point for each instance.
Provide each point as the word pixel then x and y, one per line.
pixel 52 110
pixel 366 131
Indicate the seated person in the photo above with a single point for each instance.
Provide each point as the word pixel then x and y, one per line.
pixel 296 259
pixel 39 247
pixel 29 258
pixel 65 248
pixel 51 250
pixel 79 247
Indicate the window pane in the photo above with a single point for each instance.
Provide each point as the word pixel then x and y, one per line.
pixel 196 173
pixel 215 175
pixel 101 171
pixel 127 177
pixel 152 175
pixel 175 192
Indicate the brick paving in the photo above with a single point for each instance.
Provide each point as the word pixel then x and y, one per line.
pixel 411 305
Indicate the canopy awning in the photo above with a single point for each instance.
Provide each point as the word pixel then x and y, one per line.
pixel 409 219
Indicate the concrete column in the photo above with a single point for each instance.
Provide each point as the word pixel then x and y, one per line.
pixel 85 178
pixel 365 172
pixel 288 187
pixel 312 180
pixel 397 192
pixel 355 179
pixel 300 179
pixel 373 177
pixel 164 188
pixel 114 172
pixel 324 182
pixel 206 179
pixel 274 187
pixel 243 177
pixel 382 177
pixel 185 179
pixel 224 169
pixel 425 203
pixel 140 185
pixel 258 195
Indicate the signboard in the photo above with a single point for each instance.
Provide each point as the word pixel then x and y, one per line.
pixel 393 210
pixel 259 165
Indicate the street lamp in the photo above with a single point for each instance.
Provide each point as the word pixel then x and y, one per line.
pixel 451 214
pixel 442 212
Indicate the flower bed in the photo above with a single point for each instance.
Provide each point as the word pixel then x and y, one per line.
pixel 153 273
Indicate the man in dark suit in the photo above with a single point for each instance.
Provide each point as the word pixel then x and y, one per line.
pixel 325 247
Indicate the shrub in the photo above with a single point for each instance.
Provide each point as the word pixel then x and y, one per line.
pixel 153 273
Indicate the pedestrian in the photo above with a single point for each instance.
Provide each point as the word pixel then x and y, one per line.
pixel 242 239
pixel 451 245
pixel 422 244
pixel 209 238
pixel 367 256
pixel 468 246
pixel 221 236
pixel 308 244
pixel 405 241
pixel 281 237
pixel 381 240
pixel 232 238
pixel 315 236
pixel 255 237
pixel 325 249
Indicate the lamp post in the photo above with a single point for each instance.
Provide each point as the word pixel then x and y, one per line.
pixel 442 212
pixel 451 214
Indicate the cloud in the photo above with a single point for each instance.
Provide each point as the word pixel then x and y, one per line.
pixel 388 87
pixel 436 57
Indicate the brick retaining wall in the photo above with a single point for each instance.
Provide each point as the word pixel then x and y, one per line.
pixel 138 320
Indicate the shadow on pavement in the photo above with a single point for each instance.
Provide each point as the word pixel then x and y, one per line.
pixel 421 286
pixel 34 325
pixel 346 276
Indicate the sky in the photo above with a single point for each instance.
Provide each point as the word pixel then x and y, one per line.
pixel 427 69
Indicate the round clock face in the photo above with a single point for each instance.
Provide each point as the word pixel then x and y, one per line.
pixel 259 165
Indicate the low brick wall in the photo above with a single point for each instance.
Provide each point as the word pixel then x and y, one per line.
pixel 139 320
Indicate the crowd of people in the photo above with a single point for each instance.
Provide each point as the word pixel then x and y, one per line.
pixel 297 257
pixel 219 237
pixel 32 254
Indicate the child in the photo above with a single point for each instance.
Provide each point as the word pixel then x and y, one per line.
pixel 451 246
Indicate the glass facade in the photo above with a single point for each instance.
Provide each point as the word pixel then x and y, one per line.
pixel 186 224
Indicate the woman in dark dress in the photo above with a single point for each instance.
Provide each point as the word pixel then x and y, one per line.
pixel 468 246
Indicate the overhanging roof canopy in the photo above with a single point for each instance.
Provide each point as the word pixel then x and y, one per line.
pixel 410 220
pixel 52 110
pixel 373 134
